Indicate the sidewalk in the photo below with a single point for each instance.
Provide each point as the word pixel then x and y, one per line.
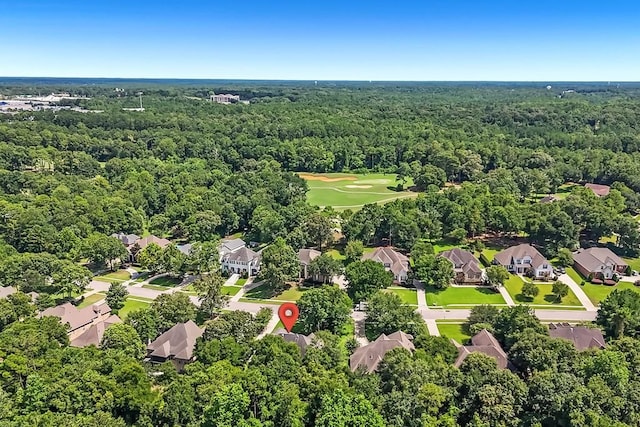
pixel 423 308
pixel 271 325
pixel 246 288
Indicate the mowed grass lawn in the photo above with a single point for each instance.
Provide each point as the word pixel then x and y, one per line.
pixel 454 331
pixel 132 304
pixel 91 299
pixel 264 292
pixel 351 191
pixel 544 297
pixel 230 290
pixel 115 276
pixel 462 296
pixel 595 292
pixel 408 296
pixel 166 281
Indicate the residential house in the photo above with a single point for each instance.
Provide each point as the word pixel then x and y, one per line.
pixel 483 342
pixel 185 249
pixel 548 199
pixel 302 341
pixel 225 98
pixel 583 338
pixel 230 245
pixel 599 263
pixel 5 291
pixel 242 261
pixel 177 345
pixel 85 325
pixel 525 259
pixel 305 256
pixel 370 355
pixel 126 239
pixel 598 189
pixel 466 269
pixel 392 260
pixel 135 244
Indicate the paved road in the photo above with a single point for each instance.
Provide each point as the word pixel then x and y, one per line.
pixel 577 290
pixel 432 327
pixel 544 315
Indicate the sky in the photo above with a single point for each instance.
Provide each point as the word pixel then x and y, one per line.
pixel 445 40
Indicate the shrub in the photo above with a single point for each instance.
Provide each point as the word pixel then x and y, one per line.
pixel 637 282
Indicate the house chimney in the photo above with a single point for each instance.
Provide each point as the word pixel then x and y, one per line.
pixel 96 308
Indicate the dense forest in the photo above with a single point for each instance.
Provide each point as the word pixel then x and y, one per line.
pixel 479 155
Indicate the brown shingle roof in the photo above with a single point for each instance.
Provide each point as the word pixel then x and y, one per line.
pixel 5 291
pixel 483 342
pixel 461 259
pixel 591 259
pixel 74 316
pixel 386 255
pixel 93 335
pixel 583 338
pixel 178 342
pixel 598 189
pixel 146 241
pixel 370 355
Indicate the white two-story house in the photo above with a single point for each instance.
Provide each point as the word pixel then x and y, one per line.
pixel 525 259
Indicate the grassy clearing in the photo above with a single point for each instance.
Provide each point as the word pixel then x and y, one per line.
pixel 115 276
pixel 241 282
pixel 91 299
pixel 352 191
pixel 443 245
pixel 453 331
pixel 133 303
pixel 462 296
pixel 544 297
pixel 408 296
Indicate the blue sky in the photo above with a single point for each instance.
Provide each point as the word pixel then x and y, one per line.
pixel 328 40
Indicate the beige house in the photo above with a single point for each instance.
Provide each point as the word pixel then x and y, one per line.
pixel 599 263
pixel 525 259
pixel 483 342
pixel 392 260
pixel 466 269
pixel 86 325
pixel 370 355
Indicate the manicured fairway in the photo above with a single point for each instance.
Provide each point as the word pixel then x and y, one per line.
pixel 454 296
pixel 351 191
pixel 453 331
pixel 544 297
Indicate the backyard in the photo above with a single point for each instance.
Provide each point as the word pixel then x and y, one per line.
pixel 352 191
pixel 462 296
pixel 544 297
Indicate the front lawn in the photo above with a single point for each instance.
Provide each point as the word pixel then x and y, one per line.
pixel 462 296
pixel 229 290
pixel 597 293
pixel 454 331
pixel 544 297
pixel 265 292
pixel 133 303
pixel 240 282
pixel 166 281
pixel 91 299
pixel 408 296
pixel 115 276
pixel 577 277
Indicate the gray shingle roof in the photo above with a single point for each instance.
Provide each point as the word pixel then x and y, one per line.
pixel 583 338
pixel 231 245
pixel 243 254
pixel 302 341
pixel 370 355
pixel 386 255
pixel 305 256
pixel 461 259
pixel 507 256
pixel 178 342
pixel 483 342
pixel 593 258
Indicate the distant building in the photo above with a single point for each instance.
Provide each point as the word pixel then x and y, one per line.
pixel 392 260
pixel 583 338
pixel 5 291
pixel 225 98
pixel 135 244
pixel 548 199
pixel 176 345
pixel 598 189
pixel 370 355
pixel 483 342
pixel 235 257
pixel 86 325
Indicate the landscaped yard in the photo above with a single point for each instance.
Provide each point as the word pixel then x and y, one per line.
pixel 133 303
pixel 352 191
pixel 166 281
pixel 240 282
pixel 634 263
pixel 408 296
pixel 597 293
pixel 453 331
pixel 490 252
pixel 544 297
pixel 443 245
pixel 264 292
pixel 229 290
pixel 91 299
pixel 459 296
pixel 115 276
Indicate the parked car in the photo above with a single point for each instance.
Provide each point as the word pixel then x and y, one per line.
pixel 560 270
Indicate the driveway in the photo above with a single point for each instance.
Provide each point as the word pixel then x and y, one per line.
pixel 577 290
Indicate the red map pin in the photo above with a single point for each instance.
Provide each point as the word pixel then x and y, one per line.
pixel 288 313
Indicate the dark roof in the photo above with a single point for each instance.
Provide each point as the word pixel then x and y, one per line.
pixel 593 258
pixel 548 199
pixel 599 189
pixel 302 341
pixel 583 338
pixel 370 355
pixel 307 255
pixel 178 342
pixel 483 342
pixel 464 259
pixel 507 256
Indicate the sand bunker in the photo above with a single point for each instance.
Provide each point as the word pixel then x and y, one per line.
pixel 326 178
pixel 357 186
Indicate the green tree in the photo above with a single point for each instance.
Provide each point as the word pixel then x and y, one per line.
pixel 565 257
pixel 212 299
pixel 560 290
pixel 434 271
pixel 530 290
pixel 150 258
pixel 279 264
pixel 71 277
pixel 497 275
pixel 619 314
pixel 513 320
pixel 204 257
pixel 482 317
pixel 116 296
pixel 123 337
pixel 324 267
pixel 342 409
pixel 145 322
pixel 326 308
pixel 353 251
pixel 319 230
pixel 366 277
pixel 102 249
pixel 387 314
pixel 172 309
